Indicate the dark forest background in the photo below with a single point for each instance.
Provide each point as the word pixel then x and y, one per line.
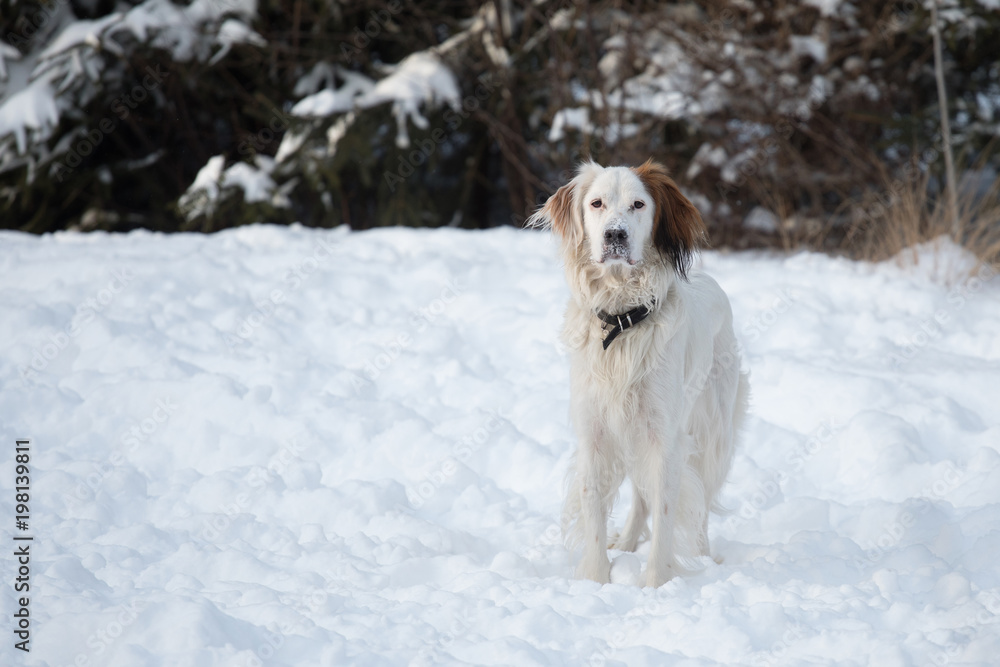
pixel 789 123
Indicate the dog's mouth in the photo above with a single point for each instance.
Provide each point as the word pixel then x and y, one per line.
pixel 617 252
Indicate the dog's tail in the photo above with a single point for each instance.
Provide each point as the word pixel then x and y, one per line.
pixel 688 524
pixel 742 405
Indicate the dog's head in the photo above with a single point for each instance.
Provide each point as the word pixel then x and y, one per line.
pixel 619 214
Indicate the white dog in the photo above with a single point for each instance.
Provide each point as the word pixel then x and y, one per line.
pixel 656 389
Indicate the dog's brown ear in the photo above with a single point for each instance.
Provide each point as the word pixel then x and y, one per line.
pixel 559 209
pixel 678 230
pixel 563 212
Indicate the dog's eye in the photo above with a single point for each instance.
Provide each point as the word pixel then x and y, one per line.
pixel 596 203
pixel 638 204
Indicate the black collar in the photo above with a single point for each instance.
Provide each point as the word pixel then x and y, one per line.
pixel 620 323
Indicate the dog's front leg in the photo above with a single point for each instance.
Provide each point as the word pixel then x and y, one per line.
pixel 664 492
pixel 593 489
pixel 635 525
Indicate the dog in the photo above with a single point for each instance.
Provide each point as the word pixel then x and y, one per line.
pixel 656 387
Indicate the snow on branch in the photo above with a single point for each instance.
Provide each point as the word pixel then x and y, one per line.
pixel 419 80
pixel 61 77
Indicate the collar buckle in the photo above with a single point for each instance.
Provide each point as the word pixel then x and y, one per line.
pixel 632 317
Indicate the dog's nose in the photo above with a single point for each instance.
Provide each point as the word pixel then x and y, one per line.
pixel 615 236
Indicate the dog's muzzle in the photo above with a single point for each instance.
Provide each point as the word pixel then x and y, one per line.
pixel 616 244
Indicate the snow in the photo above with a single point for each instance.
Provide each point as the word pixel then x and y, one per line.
pixel 256 184
pixel 419 80
pixel 212 181
pixel 762 220
pixel 671 86
pixel 233 32
pixel 826 7
pixel 171 27
pixel 205 189
pixel 577 119
pixel 80 34
pixel 288 446
pixel 707 155
pixel 810 46
pixel 339 100
pixel 32 111
pixel 59 78
pixel 7 51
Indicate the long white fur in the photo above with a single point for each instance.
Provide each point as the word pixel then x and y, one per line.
pixel 662 405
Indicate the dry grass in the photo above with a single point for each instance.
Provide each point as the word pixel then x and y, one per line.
pixel 981 228
pixel 902 214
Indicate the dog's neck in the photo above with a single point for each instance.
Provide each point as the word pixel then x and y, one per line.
pixel 617 288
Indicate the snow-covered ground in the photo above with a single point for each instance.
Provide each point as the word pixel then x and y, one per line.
pixel 277 446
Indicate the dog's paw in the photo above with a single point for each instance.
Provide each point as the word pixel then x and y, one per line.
pixel 598 570
pixel 656 578
pixel 613 539
pixel 623 542
pixel 629 541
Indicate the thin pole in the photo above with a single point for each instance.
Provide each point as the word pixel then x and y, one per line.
pixel 949 166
